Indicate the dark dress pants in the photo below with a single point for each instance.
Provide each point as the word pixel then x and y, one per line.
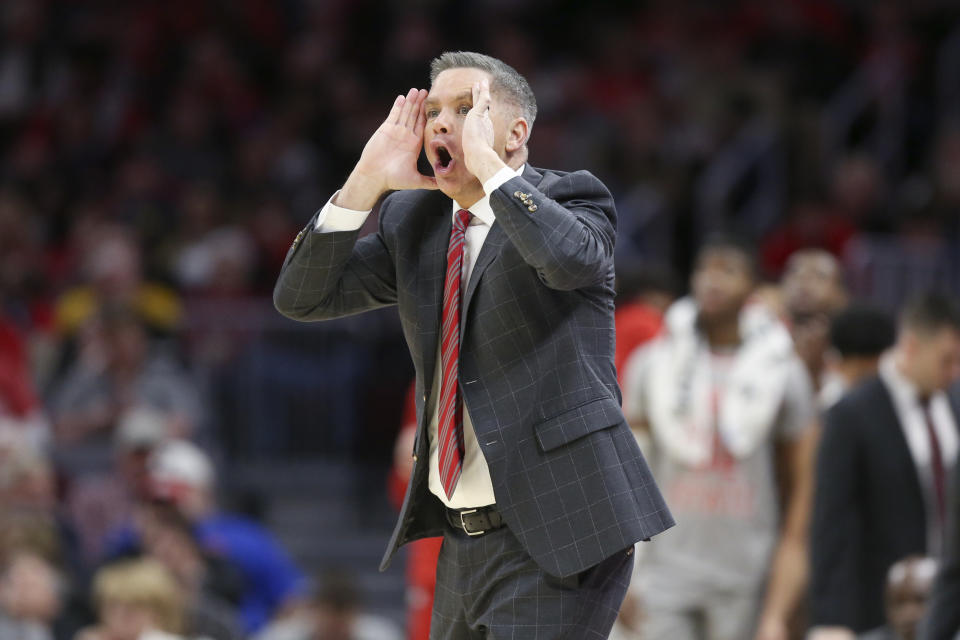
pixel 489 588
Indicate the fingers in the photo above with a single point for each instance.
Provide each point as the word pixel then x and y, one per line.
pixel 395 110
pixel 421 122
pixel 406 108
pixel 481 96
pixel 416 109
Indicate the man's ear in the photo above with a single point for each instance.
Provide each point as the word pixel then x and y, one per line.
pixel 517 134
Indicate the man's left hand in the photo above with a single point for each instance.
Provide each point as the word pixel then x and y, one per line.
pixel 479 156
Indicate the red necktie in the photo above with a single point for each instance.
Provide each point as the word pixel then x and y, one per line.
pixel 450 422
pixel 936 464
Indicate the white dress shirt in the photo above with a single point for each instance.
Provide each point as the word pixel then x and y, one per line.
pixel 474 488
pixel 906 402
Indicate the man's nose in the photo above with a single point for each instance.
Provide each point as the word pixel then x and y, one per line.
pixel 441 124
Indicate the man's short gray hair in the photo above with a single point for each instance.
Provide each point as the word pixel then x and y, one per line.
pixel 506 80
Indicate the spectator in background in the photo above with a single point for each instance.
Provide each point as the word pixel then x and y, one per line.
pixel 907 592
pixel 272 586
pixel 642 299
pixel 809 224
pixel 28 489
pixel 111 264
pixel 813 292
pixel 32 522
pixel 335 613
pixel 724 401
pixel 946 182
pixel 859 335
pixel 886 452
pixel 21 317
pixel 29 597
pixel 24 292
pixel 117 368
pixel 858 198
pixel 20 409
pixel 211 258
pixel 136 600
pixel 27 479
pixel 99 503
pixel 211 587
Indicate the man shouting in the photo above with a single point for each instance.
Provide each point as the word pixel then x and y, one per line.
pixel 503 276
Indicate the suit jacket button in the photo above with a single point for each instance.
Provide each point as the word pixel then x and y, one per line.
pixel 517 194
pixel 532 208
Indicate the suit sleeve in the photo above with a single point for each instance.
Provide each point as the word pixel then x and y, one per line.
pixel 332 274
pixel 943 618
pixel 837 524
pixel 568 236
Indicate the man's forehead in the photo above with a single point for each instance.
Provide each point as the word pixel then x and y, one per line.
pixel 456 80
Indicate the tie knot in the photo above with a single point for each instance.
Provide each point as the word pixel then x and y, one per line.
pixel 462 219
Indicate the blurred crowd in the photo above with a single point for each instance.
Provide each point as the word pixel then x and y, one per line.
pixel 157 158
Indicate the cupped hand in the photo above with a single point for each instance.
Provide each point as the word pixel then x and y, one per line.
pixel 389 159
pixel 479 156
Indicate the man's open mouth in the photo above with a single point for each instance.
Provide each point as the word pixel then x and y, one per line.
pixel 444 161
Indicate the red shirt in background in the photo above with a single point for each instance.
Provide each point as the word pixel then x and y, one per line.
pixel 17 396
pixel 636 323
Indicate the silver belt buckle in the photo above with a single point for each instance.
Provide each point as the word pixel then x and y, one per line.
pixel 464 524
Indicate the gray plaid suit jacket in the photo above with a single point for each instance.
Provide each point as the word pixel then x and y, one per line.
pixel 536 359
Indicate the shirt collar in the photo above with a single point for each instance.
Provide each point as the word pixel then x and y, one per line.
pixel 902 388
pixel 481 210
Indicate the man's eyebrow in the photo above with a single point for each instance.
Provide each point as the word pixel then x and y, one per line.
pixel 457 98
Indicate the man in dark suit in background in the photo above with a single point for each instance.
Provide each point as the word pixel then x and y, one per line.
pixel 943 617
pixel 883 462
pixel 504 283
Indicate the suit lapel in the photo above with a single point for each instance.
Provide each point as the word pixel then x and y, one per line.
pixel 431 270
pixel 490 250
pixel 889 421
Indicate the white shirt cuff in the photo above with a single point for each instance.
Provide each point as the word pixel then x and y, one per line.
pixel 334 218
pixel 497 180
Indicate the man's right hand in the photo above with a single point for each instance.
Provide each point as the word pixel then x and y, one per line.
pixel 389 159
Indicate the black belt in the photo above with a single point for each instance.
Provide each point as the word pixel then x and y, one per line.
pixel 475 522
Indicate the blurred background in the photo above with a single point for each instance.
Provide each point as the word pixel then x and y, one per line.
pixel 158 157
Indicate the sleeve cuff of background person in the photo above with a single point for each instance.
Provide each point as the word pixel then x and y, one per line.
pixel 500 177
pixel 333 218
